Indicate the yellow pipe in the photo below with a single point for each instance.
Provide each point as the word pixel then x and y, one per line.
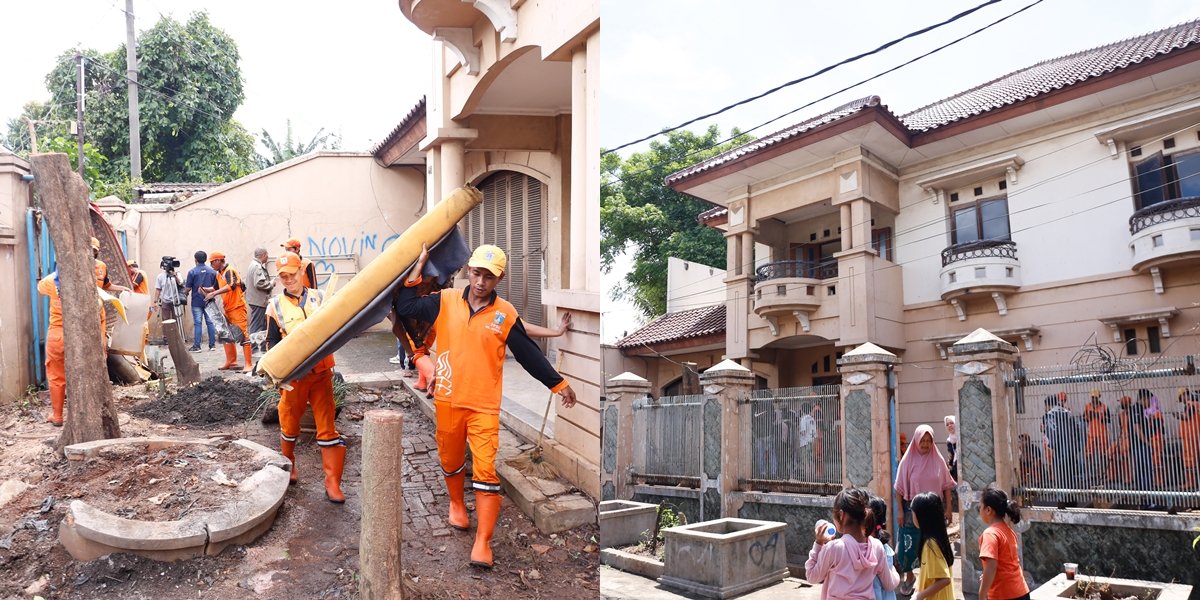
pixel 364 287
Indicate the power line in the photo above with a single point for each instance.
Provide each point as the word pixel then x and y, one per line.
pixel 807 77
pixel 830 95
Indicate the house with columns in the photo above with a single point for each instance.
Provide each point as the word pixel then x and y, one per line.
pixel 513 109
pixel 1057 206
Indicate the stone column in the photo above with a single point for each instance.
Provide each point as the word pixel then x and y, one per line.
pixel 725 450
pixel 579 169
pixel 987 444
pixel 616 434
pixel 453 172
pixel 866 431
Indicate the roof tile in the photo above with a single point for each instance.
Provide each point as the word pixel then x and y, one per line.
pixel 677 326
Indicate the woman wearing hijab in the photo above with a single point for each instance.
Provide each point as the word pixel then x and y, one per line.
pixel 1154 430
pixel 923 469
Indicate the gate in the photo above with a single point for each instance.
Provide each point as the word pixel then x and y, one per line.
pixel 1109 433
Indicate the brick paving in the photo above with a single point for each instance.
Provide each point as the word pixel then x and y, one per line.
pixel 424 492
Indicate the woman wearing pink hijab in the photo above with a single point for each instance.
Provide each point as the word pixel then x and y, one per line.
pixel 921 470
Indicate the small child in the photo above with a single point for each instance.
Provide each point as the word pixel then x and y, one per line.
pixel 1002 576
pixel 879 508
pixel 849 565
pixel 936 557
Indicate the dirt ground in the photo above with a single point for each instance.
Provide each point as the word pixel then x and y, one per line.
pixel 311 551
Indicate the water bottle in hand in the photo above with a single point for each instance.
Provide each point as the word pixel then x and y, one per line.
pixel 827 528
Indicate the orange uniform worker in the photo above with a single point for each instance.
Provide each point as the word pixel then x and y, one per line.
pixel 230 284
pixel 1097 417
pixel 286 312
pixel 306 266
pixel 56 372
pixel 141 284
pixel 473 329
pixel 1189 436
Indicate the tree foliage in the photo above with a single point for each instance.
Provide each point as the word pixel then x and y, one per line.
pixel 190 84
pixel 639 215
pixel 291 148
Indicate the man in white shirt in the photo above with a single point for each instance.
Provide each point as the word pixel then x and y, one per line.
pixel 804 442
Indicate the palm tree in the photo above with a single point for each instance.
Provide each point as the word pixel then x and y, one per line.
pixel 290 148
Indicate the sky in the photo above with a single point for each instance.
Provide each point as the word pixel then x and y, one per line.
pixel 354 68
pixel 667 61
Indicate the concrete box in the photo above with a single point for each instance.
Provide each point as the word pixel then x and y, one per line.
pixel 724 558
pixel 1061 587
pixel 622 522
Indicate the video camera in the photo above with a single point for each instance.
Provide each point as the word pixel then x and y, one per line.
pixel 169 263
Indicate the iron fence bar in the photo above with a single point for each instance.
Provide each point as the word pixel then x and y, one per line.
pixel 1099 377
pixel 1110 492
pixel 668 480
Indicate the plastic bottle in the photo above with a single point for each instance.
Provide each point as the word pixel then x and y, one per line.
pixel 827 527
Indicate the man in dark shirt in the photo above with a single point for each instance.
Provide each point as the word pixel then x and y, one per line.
pixel 200 281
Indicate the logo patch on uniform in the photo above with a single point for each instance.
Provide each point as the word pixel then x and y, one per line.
pixel 499 320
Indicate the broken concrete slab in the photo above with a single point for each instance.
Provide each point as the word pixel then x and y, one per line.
pixel 11 489
pixel 631 563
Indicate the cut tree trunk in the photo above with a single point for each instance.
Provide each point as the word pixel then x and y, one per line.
pixel 90 414
pixel 382 506
pixel 187 372
pixel 122 371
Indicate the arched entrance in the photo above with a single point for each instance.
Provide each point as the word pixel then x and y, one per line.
pixel 511 217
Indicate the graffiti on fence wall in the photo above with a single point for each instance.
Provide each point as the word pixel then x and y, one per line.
pixel 361 245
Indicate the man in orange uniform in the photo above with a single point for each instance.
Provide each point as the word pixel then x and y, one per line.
pixel 1097 417
pixel 229 284
pixel 285 313
pixel 141 285
pixel 56 372
pixel 473 328
pixel 308 270
pixel 1189 435
pixel 102 280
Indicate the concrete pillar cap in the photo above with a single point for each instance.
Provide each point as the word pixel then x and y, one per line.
pixel 627 377
pixel 979 335
pixel 726 365
pixel 868 348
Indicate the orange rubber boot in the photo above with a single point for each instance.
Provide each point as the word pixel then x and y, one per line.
pixel 288 449
pixel 56 406
pixel 247 352
pixel 230 358
pixel 487 510
pixel 459 519
pixel 333 459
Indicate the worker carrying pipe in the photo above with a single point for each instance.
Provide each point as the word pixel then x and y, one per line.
pixel 473 327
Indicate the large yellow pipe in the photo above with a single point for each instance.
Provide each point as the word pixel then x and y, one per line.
pixel 364 287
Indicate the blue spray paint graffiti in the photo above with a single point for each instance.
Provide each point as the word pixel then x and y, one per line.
pixel 341 245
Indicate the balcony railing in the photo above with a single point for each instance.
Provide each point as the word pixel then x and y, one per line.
pixel 826 269
pixel 979 249
pixel 1164 212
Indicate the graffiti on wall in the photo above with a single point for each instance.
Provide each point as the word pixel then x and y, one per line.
pixel 323 250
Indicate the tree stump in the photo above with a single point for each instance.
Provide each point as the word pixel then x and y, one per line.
pixel 382 506
pixel 90 414
pixel 187 372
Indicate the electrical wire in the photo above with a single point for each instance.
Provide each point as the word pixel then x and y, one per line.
pixel 820 71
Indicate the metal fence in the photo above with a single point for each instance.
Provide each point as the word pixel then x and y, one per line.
pixel 667 438
pixel 1106 432
pixel 796 439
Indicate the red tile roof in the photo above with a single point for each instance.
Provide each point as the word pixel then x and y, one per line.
pixel 1019 86
pixel 416 113
pixel 712 214
pixel 1053 74
pixel 677 326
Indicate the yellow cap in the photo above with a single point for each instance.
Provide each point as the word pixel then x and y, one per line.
pixel 489 257
pixel 288 262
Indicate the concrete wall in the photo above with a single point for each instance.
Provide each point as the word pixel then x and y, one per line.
pixel 16 345
pixel 693 285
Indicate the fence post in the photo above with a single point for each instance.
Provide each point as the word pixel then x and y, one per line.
pixel 726 456
pixel 986 436
pixel 616 434
pixel 866 436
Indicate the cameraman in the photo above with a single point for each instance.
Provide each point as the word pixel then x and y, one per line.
pixel 166 291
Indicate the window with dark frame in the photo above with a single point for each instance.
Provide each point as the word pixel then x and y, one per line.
pixel 1161 177
pixel 983 220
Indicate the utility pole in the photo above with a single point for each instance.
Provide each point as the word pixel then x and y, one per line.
pixel 131 75
pixel 79 110
pixel 32 133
